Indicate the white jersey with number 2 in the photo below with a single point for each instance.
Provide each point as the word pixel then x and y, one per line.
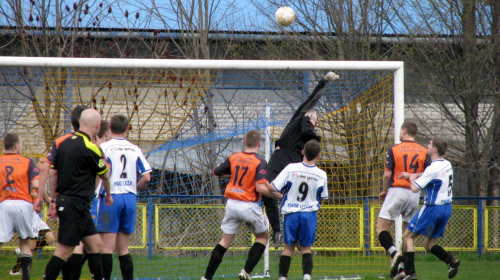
pixel 126 160
pixel 303 186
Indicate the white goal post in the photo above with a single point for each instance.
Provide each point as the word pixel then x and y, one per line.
pixel 397 67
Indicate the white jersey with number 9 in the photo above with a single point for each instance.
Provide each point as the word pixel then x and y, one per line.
pixel 303 185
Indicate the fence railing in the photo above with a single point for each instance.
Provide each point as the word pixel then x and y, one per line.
pixel 472 227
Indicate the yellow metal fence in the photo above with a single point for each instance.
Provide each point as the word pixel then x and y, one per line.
pixel 340 228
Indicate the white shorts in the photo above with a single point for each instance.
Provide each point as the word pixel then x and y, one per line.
pixel 243 212
pixel 400 201
pixel 16 216
pixel 38 224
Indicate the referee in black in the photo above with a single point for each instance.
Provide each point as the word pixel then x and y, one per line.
pixel 288 149
pixel 75 162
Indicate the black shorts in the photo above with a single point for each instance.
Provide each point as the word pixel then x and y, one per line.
pixel 75 221
pixel 279 160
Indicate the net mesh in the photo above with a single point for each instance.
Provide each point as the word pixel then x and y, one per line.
pixel 187 121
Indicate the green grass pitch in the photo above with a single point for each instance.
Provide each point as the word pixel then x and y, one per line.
pixel 160 267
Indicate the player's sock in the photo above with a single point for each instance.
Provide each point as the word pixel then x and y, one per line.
pixel 107 265
pixel 26 261
pixel 85 258
pixel 72 269
pixel 126 267
pixel 77 265
pixel 17 266
pixel 439 252
pixel 54 266
pixel 386 241
pixel 95 265
pixel 40 243
pixel 215 260
pixel 307 263
pixel 254 256
pixel 409 258
pixel 284 265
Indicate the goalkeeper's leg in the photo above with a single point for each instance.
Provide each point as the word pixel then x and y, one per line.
pixel 273 214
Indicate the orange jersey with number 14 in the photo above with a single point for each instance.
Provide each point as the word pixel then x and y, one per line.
pixel 245 169
pixel 407 156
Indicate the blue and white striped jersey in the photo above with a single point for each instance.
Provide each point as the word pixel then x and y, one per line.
pixel 437 180
pixel 304 185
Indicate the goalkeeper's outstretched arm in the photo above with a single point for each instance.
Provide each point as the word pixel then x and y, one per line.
pixel 315 95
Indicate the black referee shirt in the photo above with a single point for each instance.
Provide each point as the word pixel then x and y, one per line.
pixel 77 161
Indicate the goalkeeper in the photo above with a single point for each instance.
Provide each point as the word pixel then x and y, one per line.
pixel 288 149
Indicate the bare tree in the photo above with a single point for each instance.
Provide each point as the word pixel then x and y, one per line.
pixel 451 50
pixel 193 23
pixel 341 30
pixel 54 29
pixel 458 73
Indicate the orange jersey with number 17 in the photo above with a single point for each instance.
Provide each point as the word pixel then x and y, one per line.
pixel 407 156
pixel 246 170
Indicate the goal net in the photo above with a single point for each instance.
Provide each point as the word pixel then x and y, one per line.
pixel 187 116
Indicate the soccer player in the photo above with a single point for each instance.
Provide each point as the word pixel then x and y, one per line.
pixel 45 166
pixel 72 267
pixel 304 185
pixel 116 222
pixel 79 253
pixel 288 148
pixel 75 163
pixel 18 175
pixel 398 199
pixel 40 228
pixel 247 171
pixel 431 219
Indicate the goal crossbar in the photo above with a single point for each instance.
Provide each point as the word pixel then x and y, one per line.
pixel 200 63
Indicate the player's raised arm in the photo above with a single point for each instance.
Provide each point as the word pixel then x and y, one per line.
pixel 315 95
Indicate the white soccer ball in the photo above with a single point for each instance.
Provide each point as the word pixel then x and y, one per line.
pixel 285 16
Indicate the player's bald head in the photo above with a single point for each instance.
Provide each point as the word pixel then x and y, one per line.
pixel 90 121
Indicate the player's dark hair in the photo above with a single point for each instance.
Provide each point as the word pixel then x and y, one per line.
pixel 411 128
pixel 76 113
pixel 10 140
pixel 253 138
pixel 312 149
pixel 102 130
pixel 440 144
pixel 118 123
